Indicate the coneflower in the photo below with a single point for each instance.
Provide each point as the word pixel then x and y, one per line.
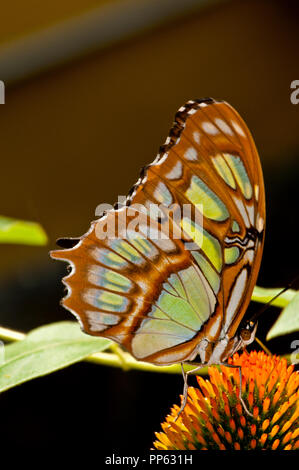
pixel 214 418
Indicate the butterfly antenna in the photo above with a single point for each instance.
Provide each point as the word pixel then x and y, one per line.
pixel 267 305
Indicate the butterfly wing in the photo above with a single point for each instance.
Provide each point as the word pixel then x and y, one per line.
pixel 160 295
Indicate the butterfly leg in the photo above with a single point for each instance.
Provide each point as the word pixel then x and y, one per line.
pixel 185 390
pixel 240 386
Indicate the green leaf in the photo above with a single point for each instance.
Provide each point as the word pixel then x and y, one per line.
pixel 288 321
pixel 21 231
pixel 45 350
pixel 265 295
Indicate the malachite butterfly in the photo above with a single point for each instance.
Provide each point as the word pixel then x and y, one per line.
pixel 168 299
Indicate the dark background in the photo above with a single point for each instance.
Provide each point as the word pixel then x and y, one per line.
pixel 75 135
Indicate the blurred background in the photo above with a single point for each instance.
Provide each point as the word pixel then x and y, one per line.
pixel 92 87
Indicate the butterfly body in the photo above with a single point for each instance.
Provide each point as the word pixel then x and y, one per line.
pixel 174 283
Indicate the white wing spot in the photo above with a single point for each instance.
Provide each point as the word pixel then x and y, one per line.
pixel 249 255
pixel 256 191
pixel 242 211
pixel 209 128
pixel 196 136
pixel 191 154
pixel 237 128
pixel 176 172
pixel 223 126
pixel 250 211
pixel 260 223
pixel 162 194
pixel 235 298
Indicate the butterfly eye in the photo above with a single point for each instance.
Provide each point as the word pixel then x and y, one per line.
pixel 245 334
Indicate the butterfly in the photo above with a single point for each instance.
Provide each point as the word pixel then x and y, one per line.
pixel 169 274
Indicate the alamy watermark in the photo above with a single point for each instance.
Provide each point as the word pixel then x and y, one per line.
pixel 294 97
pixel 153 221
pixel 294 357
pixel 2 92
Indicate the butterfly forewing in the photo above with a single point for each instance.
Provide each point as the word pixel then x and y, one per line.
pixel 186 282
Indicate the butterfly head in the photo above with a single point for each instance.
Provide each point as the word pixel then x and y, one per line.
pixel 247 333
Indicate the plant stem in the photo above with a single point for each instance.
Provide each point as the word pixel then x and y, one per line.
pixel 118 358
pixel 10 335
pixel 114 360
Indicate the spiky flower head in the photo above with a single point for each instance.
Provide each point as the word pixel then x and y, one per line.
pixel 215 419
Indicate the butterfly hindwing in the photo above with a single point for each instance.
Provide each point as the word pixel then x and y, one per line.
pixel 134 283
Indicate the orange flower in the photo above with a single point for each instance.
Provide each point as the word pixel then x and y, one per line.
pixel 215 419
